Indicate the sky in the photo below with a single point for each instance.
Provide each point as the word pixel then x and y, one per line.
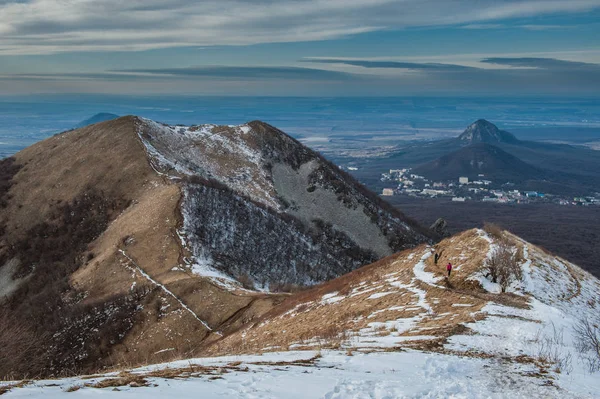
pixel 301 47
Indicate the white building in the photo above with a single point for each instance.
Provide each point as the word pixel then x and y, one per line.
pixel 463 180
pixel 388 192
pixel 458 199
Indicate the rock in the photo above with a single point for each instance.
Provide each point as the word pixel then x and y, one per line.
pixel 440 227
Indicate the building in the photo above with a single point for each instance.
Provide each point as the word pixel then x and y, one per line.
pixel 428 191
pixel 531 194
pixel 490 199
pixel 388 192
pixel 458 199
pixel 397 171
pixel 463 180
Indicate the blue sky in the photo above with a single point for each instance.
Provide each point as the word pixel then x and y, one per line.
pixel 301 47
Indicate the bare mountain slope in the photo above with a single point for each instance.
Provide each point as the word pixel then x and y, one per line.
pixel 124 241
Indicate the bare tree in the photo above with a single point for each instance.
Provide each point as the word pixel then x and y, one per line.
pixel 587 342
pixel 503 266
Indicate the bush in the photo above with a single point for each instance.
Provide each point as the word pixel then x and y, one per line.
pixel 587 342
pixel 551 350
pixel 503 266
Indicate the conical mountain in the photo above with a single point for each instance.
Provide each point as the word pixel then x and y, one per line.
pixel 482 131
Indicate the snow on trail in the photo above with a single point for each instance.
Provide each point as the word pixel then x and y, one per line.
pixel 409 374
pixel 165 289
pixel 420 273
pixel 559 295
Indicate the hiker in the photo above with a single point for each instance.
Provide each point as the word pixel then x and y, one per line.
pixel 436 257
pixel 449 268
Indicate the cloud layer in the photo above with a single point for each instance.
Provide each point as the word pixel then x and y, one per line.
pixel 54 26
pixel 501 75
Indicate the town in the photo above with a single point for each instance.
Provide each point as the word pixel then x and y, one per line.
pixel 404 182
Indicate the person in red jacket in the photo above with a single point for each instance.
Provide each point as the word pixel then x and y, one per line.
pixel 449 268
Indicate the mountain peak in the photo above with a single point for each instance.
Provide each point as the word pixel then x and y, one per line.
pixel 483 131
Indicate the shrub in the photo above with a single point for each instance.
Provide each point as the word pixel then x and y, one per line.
pixel 550 350
pixel 587 342
pixel 503 266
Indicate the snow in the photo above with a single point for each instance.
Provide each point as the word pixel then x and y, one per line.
pixel 202 266
pixel 199 151
pixel 408 374
pixel 559 295
pixel 421 274
pixel 380 295
pixel 330 298
pixel 165 289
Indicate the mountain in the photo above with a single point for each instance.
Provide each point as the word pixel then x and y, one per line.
pixel 566 169
pixel 481 158
pixel 100 117
pixel 130 229
pixel 482 131
pixel 397 328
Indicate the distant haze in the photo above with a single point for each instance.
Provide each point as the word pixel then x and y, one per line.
pixel 324 123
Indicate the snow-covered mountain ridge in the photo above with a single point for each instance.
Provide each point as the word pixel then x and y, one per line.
pixel 266 180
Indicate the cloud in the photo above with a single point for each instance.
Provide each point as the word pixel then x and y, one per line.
pixel 533 27
pixel 492 75
pixel 483 26
pixel 233 72
pixel 53 26
pixel 544 63
pixel 391 64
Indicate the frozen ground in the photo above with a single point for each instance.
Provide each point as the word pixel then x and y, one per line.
pixel 409 374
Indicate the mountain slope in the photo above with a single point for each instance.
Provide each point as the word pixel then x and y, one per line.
pixel 265 181
pixel 405 302
pixel 130 229
pixel 397 328
pixel 476 159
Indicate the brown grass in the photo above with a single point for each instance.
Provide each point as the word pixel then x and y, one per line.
pixel 133 380
pixel 493 230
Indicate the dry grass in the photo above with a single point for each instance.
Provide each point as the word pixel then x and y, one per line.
pixel 304 319
pixel 133 380
pixel 6 388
